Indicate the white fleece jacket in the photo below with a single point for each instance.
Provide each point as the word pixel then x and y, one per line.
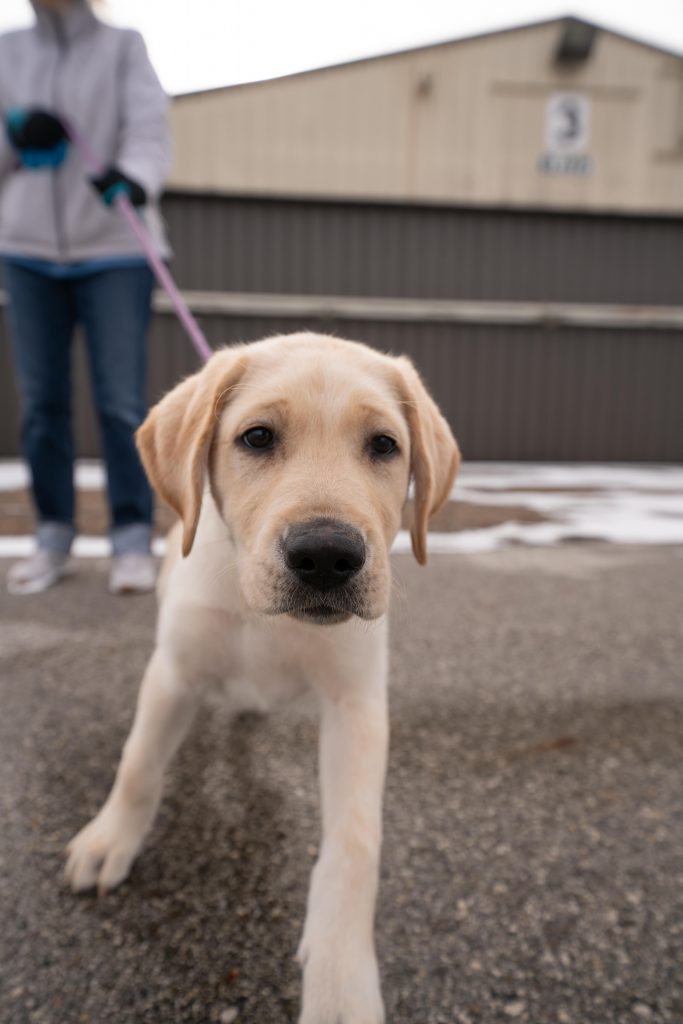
pixel 99 78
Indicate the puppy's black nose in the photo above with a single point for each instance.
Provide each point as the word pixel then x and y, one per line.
pixel 324 553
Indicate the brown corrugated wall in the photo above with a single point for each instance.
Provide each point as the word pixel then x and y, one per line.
pixel 334 248
pixel 537 391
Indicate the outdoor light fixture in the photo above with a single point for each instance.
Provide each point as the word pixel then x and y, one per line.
pixel 576 41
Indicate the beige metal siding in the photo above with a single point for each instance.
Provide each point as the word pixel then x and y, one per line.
pixel 462 122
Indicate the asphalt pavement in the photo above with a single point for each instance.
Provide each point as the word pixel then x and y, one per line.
pixel 533 859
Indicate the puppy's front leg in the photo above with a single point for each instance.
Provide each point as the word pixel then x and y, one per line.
pixel 341 979
pixel 101 854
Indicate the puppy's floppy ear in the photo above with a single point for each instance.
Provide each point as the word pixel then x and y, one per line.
pixel 434 454
pixel 175 439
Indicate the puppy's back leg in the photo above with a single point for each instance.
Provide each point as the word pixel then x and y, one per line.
pixel 102 853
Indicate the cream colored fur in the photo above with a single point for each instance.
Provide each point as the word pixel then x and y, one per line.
pixel 223 617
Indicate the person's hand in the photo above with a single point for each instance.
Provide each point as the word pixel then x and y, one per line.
pixel 39 137
pixel 114 182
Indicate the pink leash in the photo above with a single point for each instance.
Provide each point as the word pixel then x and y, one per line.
pixel 161 272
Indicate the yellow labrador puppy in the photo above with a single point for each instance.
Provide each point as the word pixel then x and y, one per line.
pixel 288 463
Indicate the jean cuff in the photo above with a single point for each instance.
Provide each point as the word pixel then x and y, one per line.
pixel 133 539
pixel 56 537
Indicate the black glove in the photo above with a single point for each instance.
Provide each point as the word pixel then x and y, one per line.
pixel 114 182
pixel 40 137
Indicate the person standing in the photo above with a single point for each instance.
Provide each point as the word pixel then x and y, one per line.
pixel 69 258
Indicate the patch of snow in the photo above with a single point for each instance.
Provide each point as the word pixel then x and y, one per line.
pixel 84 547
pixel 569 476
pixel 622 504
pixel 14 475
pixel 619 504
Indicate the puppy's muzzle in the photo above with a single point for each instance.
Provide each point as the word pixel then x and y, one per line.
pixel 324 554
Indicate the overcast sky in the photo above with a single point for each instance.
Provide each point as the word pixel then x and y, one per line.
pixel 200 44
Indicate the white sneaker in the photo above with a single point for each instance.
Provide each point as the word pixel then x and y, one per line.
pixel 37 573
pixel 132 574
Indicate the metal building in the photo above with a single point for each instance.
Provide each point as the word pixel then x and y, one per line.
pixel 556 114
pixel 505 209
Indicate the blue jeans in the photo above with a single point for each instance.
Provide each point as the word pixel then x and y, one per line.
pixel 113 307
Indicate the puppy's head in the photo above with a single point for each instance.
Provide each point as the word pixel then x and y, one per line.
pixel 308 444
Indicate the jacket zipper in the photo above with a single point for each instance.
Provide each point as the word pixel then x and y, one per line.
pixel 62 248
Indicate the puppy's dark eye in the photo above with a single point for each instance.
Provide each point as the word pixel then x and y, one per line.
pixel 258 437
pixel 382 444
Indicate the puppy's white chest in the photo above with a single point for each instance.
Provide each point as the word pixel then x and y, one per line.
pixel 274 665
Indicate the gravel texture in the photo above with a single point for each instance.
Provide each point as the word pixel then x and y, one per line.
pixel 532 866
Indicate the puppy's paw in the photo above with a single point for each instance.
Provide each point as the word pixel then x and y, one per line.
pixel 341 989
pixel 102 853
